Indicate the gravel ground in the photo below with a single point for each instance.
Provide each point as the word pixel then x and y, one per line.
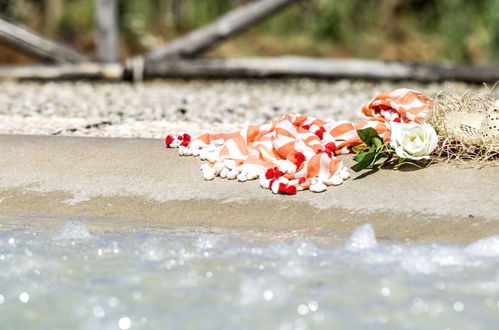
pixel 154 109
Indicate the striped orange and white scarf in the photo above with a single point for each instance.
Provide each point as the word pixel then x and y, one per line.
pixel 298 152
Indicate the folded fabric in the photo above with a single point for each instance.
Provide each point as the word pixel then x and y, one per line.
pixel 298 152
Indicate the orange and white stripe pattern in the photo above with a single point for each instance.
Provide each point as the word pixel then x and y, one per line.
pixel 298 152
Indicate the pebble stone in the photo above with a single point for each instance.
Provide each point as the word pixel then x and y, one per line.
pixel 155 108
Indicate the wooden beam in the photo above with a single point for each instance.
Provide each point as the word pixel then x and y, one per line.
pixel 36 45
pixel 319 68
pixel 226 26
pixel 90 70
pixel 107 30
pixel 259 68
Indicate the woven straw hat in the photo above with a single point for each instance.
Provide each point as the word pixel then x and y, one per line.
pixel 467 125
pixel 473 127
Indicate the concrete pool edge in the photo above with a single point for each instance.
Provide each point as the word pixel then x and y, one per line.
pixel 136 182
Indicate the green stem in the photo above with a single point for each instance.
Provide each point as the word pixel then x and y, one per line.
pixel 399 163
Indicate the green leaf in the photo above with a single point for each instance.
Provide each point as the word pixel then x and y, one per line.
pixel 365 162
pixel 377 142
pixel 359 157
pixel 367 135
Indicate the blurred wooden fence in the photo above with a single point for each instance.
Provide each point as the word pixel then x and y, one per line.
pixel 179 58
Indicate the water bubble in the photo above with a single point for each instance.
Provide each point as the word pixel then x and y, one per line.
pixel 302 309
pixel 206 241
pixel 458 306
pixel 98 311
pixel 268 295
pixel 24 297
pixel 209 274
pixel 12 241
pixel 2 299
pixel 124 323
pixel 151 250
pixel 385 291
pixel 73 230
pixel 362 238
pixel 313 305
pixel 137 295
pixel 305 248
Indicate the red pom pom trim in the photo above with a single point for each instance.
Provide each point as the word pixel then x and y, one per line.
pixel 277 173
pixel 331 146
pixel 282 188
pixel 169 140
pixel 299 159
pixel 320 132
pixel 291 190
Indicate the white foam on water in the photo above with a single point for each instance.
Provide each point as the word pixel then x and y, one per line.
pixel 168 280
pixel 487 247
pixel 363 238
pixel 73 230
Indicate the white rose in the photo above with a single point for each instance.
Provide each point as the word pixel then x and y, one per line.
pixel 413 141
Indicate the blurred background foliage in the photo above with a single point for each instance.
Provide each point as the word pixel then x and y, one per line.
pixel 410 30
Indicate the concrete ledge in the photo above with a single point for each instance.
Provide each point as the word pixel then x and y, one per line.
pixel 137 182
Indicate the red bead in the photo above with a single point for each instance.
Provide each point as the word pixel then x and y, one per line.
pixel 169 140
pixel 277 173
pixel 299 159
pixel 331 146
pixel 186 137
pixel 269 174
pixel 397 120
pixel 282 187
pixel 320 132
pixel 291 190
